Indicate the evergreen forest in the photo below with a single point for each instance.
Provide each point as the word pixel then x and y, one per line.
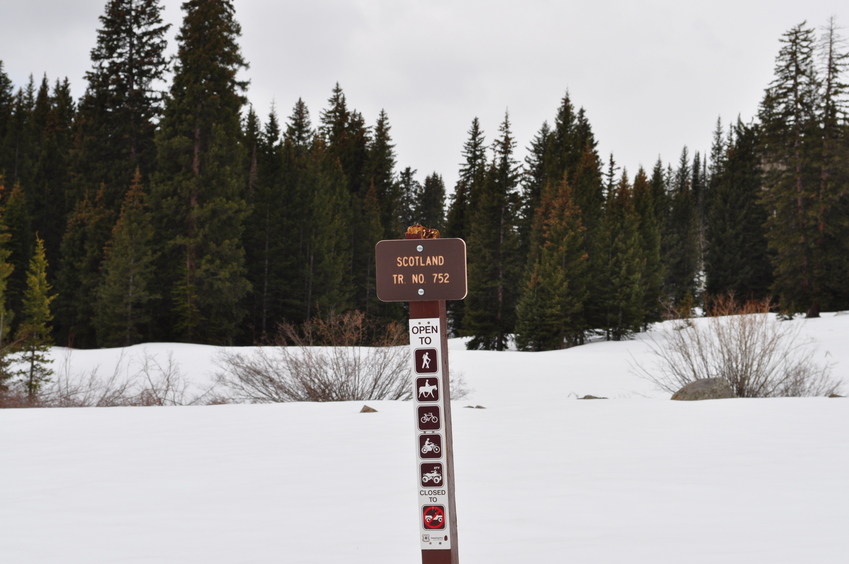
pixel 141 213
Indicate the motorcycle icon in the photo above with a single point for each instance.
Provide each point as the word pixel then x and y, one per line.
pixel 429 446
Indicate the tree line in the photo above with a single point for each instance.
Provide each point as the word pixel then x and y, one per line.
pixel 178 214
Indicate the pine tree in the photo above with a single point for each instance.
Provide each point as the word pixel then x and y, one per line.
pixel 266 251
pixel 550 309
pixel 34 333
pixel 6 315
pixel 88 230
pixel 21 243
pixel 328 289
pixel 832 201
pixel 649 237
pixel 197 198
pixel 624 264
pixel 125 294
pixel 458 221
pixel 409 190
pixel 430 207
pixel 471 178
pixel 118 113
pixel 381 175
pixel 7 106
pixel 736 257
pixel 789 147
pixel 300 147
pixel 533 183
pixel 20 144
pixel 680 247
pixel 494 263
pixel 50 182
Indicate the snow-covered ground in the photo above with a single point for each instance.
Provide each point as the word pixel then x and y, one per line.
pixel 541 476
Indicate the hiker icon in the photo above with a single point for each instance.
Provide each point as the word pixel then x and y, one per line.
pixel 427 361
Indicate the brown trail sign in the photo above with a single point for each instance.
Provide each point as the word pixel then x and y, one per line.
pixel 426 271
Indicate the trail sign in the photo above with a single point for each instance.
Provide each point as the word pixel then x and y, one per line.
pixel 410 270
pixel 425 271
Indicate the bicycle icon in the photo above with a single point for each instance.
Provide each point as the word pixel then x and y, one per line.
pixel 429 418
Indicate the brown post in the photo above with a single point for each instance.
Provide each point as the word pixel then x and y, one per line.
pixel 431 310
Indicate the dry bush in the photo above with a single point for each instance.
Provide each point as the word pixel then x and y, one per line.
pixel 759 355
pixel 152 383
pixel 323 361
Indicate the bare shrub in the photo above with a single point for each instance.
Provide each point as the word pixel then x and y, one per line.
pixel 323 361
pixel 152 383
pixel 759 355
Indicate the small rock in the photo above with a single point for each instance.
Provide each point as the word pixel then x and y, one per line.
pixel 367 409
pixel 706 388
pixel 475 407
pixel 591 397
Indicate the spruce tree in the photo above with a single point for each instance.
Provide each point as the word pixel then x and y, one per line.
pixel 21 243
pixel 409 190
pixel 125 294
pixel 34 332
pixel 118 113
pixel 494 260
pixel 790 139
pixel 87 232
pixel 832 200
pixel 430 207
pixel 458 221
pixel 7 105
pixel 49 186
pixel 6 315
pixel 22 133
pixel 328 290
pixel 471 178
pixel 680 246
pixel 300 147
pixel 533 182
pixel 736 257
pixel 381 176
pixel 623 265
pixel 550 309
pixel 197 198
pixel 649 237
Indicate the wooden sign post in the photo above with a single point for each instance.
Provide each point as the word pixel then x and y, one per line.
pixel 426 271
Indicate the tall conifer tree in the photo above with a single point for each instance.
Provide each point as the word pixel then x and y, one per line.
pixel 550 309
pixel 736 257
pixel 118 113
pixel 495 263
pixel 33 336
pixel 649 235
pixel 125 294
pixel 790 145
pixel 6 314
pixel 198 195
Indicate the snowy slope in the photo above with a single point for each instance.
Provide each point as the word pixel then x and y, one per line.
pixel 541 477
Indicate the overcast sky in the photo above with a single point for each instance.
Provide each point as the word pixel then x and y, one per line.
pixel 652 75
